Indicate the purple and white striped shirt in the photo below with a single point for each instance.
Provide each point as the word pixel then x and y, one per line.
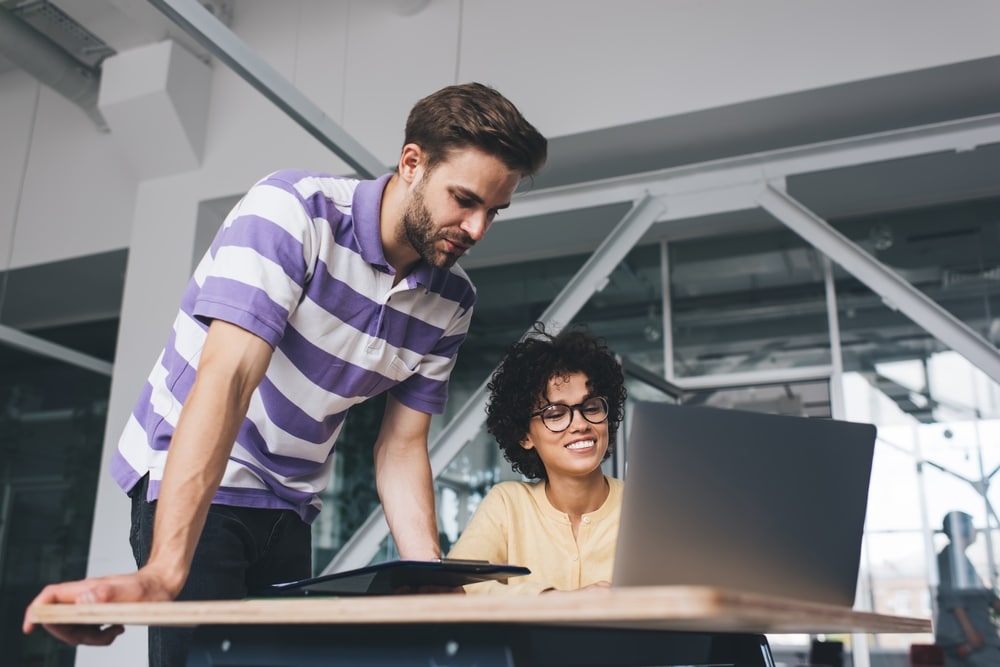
pixel 299 262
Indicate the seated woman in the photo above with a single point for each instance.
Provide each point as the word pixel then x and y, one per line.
pixel 555 406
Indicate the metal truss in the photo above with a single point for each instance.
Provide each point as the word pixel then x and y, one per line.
pixel 895 291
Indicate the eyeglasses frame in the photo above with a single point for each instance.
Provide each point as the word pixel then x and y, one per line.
pixel 572 410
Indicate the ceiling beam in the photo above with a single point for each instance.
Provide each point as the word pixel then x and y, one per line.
pixel 703 183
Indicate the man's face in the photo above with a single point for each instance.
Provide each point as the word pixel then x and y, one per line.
pixel 450 207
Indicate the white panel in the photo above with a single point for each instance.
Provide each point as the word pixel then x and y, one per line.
pixel 577 65
pixel 321 46
pixel 393 61
pixel 248 137
pixel 17 106
pixel 155 100
pixel 78 192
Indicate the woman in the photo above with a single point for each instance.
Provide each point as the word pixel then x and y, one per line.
pixel 555 406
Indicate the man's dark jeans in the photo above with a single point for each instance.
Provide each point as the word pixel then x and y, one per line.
pixel 241 550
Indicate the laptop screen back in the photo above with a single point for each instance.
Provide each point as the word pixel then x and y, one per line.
pixel 743 500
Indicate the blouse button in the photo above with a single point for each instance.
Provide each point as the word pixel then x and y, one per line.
pixel 586 519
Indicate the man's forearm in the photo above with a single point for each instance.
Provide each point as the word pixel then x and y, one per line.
pixel 232 365
pixel 972 637
pixel 404 481
pixel 197 460
pixel 406 490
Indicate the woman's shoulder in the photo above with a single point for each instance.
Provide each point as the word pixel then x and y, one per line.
pixel 511 497
pixel 514 488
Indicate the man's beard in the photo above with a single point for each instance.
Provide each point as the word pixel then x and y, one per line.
pixel 419 231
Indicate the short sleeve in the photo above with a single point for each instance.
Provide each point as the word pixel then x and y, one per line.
pixel 259 262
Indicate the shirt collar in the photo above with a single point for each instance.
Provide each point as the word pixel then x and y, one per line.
pixel 366 208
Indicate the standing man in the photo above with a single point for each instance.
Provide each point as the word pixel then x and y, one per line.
pixel 965 628
pixel 317 294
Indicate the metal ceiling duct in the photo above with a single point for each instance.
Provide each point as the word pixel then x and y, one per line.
pixel 51 65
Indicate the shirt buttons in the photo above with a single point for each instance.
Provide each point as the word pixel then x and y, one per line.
pixel 586 519
pixel 575 558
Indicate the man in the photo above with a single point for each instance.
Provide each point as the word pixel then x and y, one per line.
pixel 964 628
pixel 318 293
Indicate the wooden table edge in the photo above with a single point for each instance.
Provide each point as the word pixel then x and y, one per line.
pixel 684 608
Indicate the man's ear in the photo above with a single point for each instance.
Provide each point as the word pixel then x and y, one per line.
pixel 412 161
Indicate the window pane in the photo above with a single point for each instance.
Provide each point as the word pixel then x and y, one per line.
pixel 747 302
pixel 52 419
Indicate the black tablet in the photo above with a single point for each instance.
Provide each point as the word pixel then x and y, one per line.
pixel 395 576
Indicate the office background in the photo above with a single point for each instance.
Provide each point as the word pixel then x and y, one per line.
pixel 667 120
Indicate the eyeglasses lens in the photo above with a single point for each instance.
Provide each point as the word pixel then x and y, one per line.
pixel 558 417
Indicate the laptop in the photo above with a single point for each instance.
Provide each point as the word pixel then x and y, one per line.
pixel 745 501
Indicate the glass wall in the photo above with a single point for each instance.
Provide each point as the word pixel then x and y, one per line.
pixel 52 419
pixel 937 447
pixel 747 302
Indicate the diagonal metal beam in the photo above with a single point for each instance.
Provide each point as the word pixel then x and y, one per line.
pixel 223 43
pixel 463 427
pixel 40 346
pixel 894 290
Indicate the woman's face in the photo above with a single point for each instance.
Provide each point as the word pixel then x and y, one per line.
pixel 578 449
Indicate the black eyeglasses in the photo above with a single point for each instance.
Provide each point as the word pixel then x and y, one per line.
pixel 558 416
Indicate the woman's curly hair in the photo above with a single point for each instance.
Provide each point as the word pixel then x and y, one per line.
pixel 522 378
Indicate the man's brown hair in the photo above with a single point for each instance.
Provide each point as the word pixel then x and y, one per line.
pixel 473 115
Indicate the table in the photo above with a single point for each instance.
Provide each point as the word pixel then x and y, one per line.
pixel 687 625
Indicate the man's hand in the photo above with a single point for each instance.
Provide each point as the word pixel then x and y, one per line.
pixel 973 639
pixel 135 587
pixel 976 641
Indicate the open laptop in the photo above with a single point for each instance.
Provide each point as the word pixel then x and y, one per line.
pixel 745 501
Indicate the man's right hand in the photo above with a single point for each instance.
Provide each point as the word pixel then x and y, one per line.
pixel 232 364
pixel 976 640
pixel 135 587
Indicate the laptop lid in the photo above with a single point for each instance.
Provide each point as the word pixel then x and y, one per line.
pixel 744 500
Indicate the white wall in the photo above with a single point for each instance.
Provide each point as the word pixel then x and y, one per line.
pixel 570 65
pixel 18 95
pixel 75 193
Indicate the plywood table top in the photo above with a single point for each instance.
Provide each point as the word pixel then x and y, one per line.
pixel 682 608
